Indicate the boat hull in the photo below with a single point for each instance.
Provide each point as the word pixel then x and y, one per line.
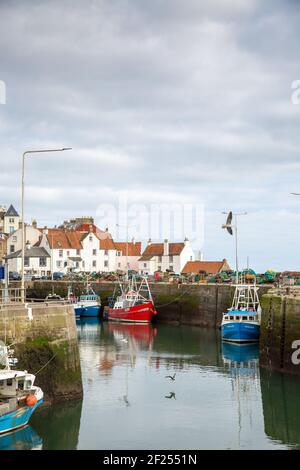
pixel 240 332
pixel 17 419
pixel 136 314
pixel 87 310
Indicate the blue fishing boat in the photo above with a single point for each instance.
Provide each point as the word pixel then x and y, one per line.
pixel 18 396
pixel 241 323
pixel 88 305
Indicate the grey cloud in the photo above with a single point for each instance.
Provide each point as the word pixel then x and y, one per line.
pixel 163 99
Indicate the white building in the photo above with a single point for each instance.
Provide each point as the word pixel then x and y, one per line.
pixel 73 250
pixel 64 248
pixel 36 261
pixel 128 253
pixel 165 257
pixel 14 241
pixel 9 219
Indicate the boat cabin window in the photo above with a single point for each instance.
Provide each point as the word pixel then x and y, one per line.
pixel 28 384
pixel 21 384
pixel 231 317
pixel 237 317
pixel 251 318
pixel 226 317
pixel 245 318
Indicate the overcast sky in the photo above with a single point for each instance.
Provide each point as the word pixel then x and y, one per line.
pixel 175 101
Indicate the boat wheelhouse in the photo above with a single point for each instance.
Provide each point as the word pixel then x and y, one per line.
pixel 241 324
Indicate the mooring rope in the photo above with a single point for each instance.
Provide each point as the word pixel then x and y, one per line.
pixel 45 364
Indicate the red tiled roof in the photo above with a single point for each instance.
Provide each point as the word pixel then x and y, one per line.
pixel 64 239
pixel 157 249
pixel 134 248
pixel 209 267
pixel 101 234
pixel 107 244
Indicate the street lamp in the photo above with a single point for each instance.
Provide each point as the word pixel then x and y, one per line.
pixel 127 227
pixel 28 152
pixel 229 226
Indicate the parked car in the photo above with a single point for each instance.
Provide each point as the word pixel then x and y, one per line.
pixel 14 276
pixel 57 276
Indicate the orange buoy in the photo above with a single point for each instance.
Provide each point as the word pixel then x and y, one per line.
pixel 31 400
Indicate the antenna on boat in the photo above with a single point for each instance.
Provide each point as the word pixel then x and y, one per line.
pixel 127 229
pixel 229 227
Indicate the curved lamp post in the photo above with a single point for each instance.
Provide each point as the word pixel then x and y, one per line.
pixel 29 152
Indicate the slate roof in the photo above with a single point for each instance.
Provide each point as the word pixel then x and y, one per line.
pixel 33 252
pixel 11 212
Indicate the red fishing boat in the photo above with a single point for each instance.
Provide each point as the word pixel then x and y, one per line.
pixel 135 304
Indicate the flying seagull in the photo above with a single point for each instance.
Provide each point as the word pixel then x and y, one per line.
pixel 172 395
pixel 228 225
pixel 172 377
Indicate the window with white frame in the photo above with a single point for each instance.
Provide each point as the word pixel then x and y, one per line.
pixel 60 253
pixel 106 264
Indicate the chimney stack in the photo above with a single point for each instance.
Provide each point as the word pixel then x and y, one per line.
pixel 166 247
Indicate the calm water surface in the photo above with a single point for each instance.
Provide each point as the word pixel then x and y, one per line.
pixel 220 399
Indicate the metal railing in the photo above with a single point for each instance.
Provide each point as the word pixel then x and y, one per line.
pixel 12 295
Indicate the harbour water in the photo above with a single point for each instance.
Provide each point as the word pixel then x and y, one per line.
pixel 219 399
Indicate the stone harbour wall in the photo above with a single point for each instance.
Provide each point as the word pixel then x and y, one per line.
pixel 280 332
pixel 44 338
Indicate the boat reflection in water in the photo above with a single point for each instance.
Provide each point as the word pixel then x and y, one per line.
pixel 280 399
pixel 241 361
pixel 240 356
pixel 59 425
pixel 22 439
pixel 138 335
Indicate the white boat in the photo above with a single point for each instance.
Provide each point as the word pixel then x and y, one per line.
pixel 19 397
